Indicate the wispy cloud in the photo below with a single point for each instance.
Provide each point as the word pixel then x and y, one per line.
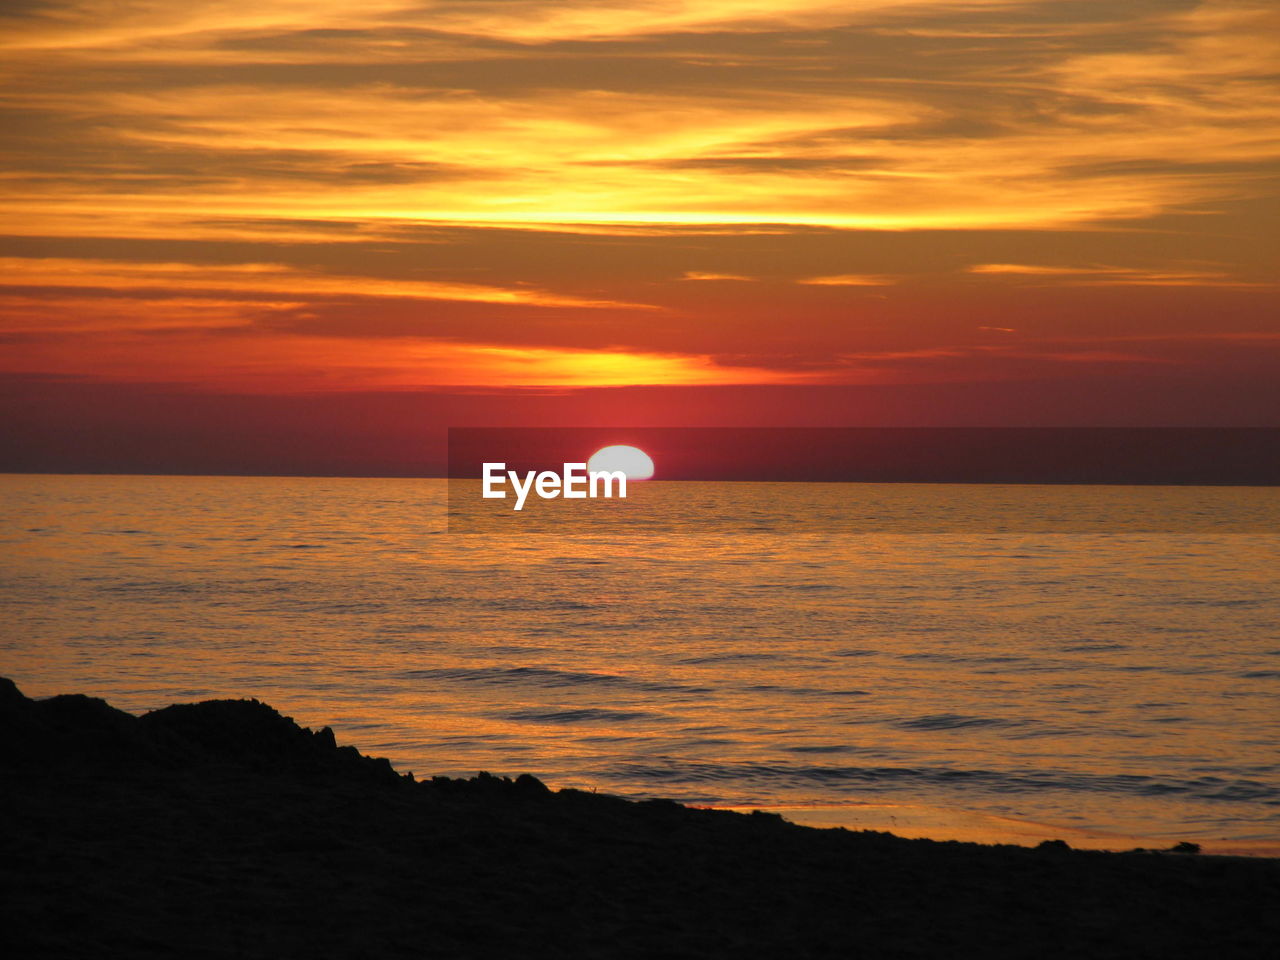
pixel 848 280
pixel 287 364
pixel 598 179
pixel 270 279
pixel 1114 276
pixel 701 275
pixel 99 24
pixel 725 112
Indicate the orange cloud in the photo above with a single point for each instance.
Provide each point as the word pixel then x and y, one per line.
pixel 700 275
pixel 256 362
pixel 272 279
pixel 815 144
pixel 1115 276
pixel 848 280
pixel 265 194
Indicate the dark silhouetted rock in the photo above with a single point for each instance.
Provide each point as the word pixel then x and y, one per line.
pixel 224 830
pixel 250 733
pixel 530 785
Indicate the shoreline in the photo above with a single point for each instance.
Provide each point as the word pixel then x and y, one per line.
pixel 921 821
pixel 223 829
pixel 908 819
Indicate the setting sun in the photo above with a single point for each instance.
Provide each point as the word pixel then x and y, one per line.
pixel 632 461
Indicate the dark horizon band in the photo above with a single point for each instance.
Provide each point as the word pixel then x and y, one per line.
pixel 1103 455
pixel 913 480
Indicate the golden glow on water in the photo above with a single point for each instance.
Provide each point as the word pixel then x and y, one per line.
pixel 1120 685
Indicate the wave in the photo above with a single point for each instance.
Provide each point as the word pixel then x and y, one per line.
pixel 957 658
pixel 532 604
pixel 730 658
pixel 158 588
pixel 773 776
pixel 586 715
pixel 952 721
pixel 804 691
pixel 548 677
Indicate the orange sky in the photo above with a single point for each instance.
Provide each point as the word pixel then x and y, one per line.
pixel 287 197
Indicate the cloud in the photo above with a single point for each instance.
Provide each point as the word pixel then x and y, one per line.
pixel 339 182
pixel 99 24
pixel 882 115
pixel 1114 276
pixel 265 363
pixel 271 279
pixel 700 275
pixel 56 312
pixel 848 280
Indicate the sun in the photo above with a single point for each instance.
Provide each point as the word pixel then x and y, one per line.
pixel 632 461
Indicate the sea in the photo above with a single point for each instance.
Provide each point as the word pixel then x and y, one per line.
pixel 1112 688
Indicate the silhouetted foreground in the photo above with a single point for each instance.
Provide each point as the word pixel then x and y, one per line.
pixel 222 829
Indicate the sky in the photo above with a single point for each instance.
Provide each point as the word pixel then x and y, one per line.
pixel 242 236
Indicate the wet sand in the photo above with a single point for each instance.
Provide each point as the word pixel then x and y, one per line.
pixel 225 830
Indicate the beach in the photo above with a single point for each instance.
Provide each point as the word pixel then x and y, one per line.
pixel 224 829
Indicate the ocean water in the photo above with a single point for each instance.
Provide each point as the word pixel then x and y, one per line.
pixel 1106 685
